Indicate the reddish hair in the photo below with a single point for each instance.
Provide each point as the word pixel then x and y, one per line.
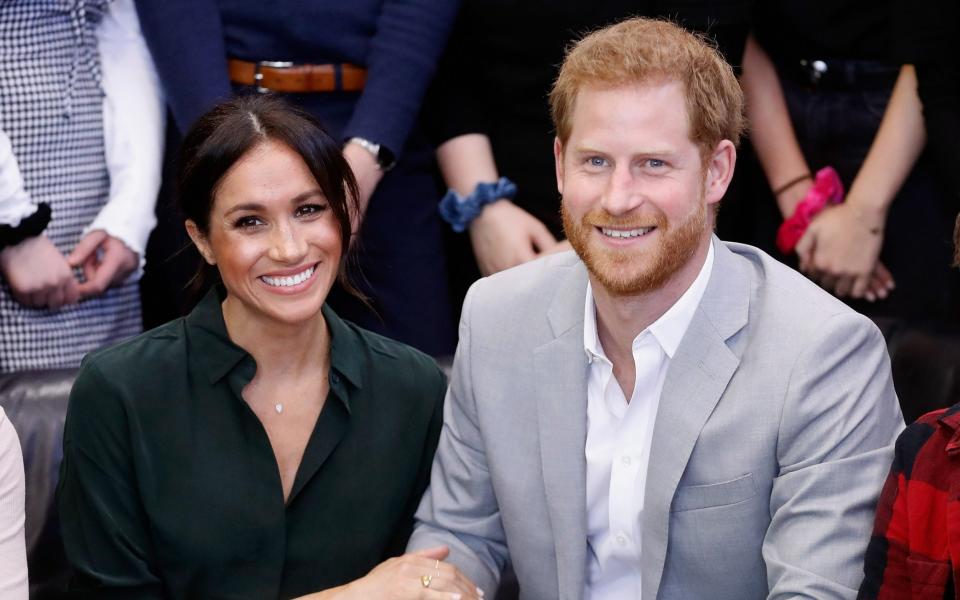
pixel 639 51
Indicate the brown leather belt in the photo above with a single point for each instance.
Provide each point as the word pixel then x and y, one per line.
pixel 297 78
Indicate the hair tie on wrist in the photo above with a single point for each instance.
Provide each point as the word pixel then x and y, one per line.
pixel 31 226
pixel 459 210
pixel 826 188
pixel 791 183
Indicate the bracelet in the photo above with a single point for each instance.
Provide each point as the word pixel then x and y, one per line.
pixel 827 188
pixel 31 226
pixel 791 183
pixel 459 210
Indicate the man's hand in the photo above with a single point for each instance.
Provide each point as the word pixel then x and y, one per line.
pixel 504 235
pixel 368 174
pixel 106 261
pixel 840 249
pixel 39 276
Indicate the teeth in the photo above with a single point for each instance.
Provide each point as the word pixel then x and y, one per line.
pixel 630 233
pixel 288 281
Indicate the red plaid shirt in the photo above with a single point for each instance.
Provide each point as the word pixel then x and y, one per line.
pixel 914 552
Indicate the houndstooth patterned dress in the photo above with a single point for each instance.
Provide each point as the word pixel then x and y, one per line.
pixel 51 107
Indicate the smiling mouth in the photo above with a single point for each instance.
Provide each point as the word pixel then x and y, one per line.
pixel 291 280
pixel 626 233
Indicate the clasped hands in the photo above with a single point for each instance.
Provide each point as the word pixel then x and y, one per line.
pixel 840 250
pixel 41 277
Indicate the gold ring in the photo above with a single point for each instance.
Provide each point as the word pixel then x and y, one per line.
pixel 425 580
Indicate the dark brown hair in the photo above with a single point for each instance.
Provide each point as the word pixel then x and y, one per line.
pixel 232 129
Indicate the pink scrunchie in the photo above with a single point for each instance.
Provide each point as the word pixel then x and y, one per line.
pixel 827 188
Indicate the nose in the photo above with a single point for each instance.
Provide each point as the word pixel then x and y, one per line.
pixel 287 243
pixel 621 194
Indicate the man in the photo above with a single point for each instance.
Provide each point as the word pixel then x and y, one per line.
pixel 660 414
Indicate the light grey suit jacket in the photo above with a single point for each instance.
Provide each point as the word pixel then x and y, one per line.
pixel 773 436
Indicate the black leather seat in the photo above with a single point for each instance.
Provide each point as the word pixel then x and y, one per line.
pixel 36 404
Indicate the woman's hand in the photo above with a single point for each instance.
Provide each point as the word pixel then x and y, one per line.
pixel 841 251
pixel 39 276
pixel 105 260
pixel 415 576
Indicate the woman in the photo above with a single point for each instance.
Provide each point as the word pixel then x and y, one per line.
pixel 13 553
pixel 260 447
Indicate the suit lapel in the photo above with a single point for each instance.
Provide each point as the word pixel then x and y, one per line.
pixel 560 367
pixel 697 376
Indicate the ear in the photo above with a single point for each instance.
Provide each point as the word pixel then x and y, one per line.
pixel 720 171
pixel 558 161
pixel 200 241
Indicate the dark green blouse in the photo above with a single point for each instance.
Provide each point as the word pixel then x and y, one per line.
pixel 169 487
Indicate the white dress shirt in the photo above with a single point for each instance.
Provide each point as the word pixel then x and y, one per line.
pixel 134 118
pixel 619 435
pixel 13 552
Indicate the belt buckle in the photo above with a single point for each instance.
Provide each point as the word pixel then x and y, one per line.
pixel 815 69
pixel 272 64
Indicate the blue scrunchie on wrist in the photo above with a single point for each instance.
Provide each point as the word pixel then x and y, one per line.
pixel 459 211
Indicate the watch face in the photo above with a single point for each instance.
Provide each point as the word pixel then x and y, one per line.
pixel 385 159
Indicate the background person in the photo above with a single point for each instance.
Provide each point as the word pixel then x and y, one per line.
pixel 81 127
pixel 260 447
pixel 913 552
pixel 832 84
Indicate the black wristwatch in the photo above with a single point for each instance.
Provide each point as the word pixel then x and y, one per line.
pixel 385 159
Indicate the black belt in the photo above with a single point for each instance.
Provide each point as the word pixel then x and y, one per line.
pixel 840 74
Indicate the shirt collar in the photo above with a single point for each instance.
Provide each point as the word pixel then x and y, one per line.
pixel 218 356
pixel 668 330
pixel 951 420
pixel 346 348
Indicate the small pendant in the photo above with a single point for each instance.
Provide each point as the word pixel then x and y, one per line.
pixel 279 408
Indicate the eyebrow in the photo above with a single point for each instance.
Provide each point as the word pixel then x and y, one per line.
pixel 255 206
pixel 648 152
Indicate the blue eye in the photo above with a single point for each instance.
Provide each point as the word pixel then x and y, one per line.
pixel 656 163
pixel 596 161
